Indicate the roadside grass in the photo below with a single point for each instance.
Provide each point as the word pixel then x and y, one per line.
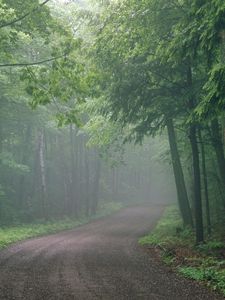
pixel 176 247
pixel 9 235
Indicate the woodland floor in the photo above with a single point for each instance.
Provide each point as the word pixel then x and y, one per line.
pixel 100 260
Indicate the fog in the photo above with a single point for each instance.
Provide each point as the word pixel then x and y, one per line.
pixel 50 172
pixel 143 175
pixel 111 111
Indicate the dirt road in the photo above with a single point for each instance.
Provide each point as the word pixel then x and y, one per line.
pixel 100 260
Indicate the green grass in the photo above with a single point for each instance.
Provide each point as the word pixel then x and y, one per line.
pixel 11 235
pixel 165 232
pixel 177 248
pixel 213 276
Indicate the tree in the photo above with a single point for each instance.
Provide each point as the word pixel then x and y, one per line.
pixel 142 90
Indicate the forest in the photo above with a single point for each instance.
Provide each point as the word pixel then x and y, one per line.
pixel 108 103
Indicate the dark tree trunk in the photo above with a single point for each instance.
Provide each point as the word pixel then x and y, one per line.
pixel 219 191
pixel 179 176
pixel 196 166
pixel 197 185
pixel 205 180
pixel 1 149
pixel 218 146
pixel 1 137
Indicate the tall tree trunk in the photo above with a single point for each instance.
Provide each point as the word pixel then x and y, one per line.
pixel 1 150
pixel 196 165
pixel 113 185
pixel 34 187
pixel 205 180
pixel 74 205
pixel 218 146
pixel 221 136
pixel 21 189
pixel 197 185
pixel 64 172
pixel 42 173
pixel 87 183
pixel 179 176
pixel 96 183
pixel 219 191
pixel 1 137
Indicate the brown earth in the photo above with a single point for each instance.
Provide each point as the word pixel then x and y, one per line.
pixel 101 260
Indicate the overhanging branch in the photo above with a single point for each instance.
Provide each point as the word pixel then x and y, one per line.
pixel 32 63
pixel 23 16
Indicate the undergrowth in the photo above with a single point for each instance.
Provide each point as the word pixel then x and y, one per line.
pixel 176 246
pixel 9 235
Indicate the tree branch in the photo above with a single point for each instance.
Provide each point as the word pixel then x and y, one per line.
pixel 32 63
pixel 24 16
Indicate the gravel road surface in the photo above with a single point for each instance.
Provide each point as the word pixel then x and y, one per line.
pixel 100 260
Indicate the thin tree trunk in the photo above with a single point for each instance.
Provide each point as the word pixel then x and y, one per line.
pixel 73 173
pixel 113 183
pixel 21 190
pixel 179 176
pixel 42 173
pixel 34 189
pixel 87 175
pixel 96 184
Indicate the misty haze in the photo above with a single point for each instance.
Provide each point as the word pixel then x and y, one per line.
pixel 112 139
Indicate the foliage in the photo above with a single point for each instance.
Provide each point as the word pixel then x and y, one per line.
pixel 214 276
pixel 211 245
pixel 111 73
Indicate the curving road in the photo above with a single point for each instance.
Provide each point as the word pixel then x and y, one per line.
pixel 100 260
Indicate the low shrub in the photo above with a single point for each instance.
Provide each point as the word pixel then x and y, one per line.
pixel 205 262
